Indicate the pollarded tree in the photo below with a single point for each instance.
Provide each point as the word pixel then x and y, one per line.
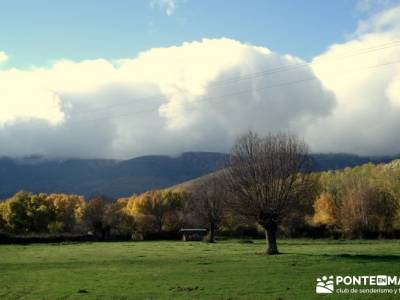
pixel 266 175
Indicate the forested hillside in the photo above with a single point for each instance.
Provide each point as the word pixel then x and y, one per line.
pixel 358 202
pixel 111 178
pixel 114 179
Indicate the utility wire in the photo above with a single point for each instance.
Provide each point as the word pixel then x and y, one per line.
pixel 307 79
pixel 267 72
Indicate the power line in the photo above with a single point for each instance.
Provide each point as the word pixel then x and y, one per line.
pixel 395 43
pixel 308 79
pixel 271 71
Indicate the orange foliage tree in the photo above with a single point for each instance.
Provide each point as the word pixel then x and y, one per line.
pixel 325 210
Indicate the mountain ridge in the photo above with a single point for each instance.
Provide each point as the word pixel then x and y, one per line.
pixel 121 178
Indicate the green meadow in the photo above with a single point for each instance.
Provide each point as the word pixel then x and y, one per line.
pixel 189 270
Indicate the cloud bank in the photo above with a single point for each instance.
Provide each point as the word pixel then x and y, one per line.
pixel 200 96
pixel 165 100
pixel 366 119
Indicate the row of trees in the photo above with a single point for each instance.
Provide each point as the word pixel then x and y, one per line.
pixel 361 201
pixel 27 212
pixel 153 211
pixel 138 217
pixel 267 185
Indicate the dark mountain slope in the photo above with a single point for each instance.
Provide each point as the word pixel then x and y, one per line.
pixel 114 178
pixel 100 176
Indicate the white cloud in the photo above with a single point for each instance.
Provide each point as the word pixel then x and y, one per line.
pixel 183 98
pixel 194 105
pixel 168 6
pixel 384 22
pixel 3 57
pixel 366 119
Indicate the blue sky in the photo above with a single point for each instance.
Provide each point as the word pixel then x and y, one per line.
pixel 38 32
pixel 55 92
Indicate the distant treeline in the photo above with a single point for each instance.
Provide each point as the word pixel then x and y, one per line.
pixel 359 202
pixel 132 218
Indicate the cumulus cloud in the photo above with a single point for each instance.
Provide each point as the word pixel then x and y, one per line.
pixel 167 5
pixel 3 57
pixel 366 118
pixel 385 22
pixel 202 95
pixel 165 100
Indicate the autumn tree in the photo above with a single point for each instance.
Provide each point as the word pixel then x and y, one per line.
pixel 68 212
pixel 208 202
pixel 16 213
pixel 391 184
pixel 40 212
pixel 94 217
pixel 297 221
pixel 116 216
pixel 3 223
pixel 266 176
pixel 366 209
pixel 325 210
pixel 157 210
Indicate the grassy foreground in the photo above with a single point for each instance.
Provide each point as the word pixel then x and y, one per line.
pixel 191 270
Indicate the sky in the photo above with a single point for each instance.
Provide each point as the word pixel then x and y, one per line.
pixel 37 32
pixel 119 79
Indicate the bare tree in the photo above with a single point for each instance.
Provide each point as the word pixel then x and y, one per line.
pixel 209 203
pixel 266 176
pixel 366 209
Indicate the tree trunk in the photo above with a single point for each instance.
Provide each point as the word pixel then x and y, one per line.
pixel 159 225
pixel 212 233
pixel 270 236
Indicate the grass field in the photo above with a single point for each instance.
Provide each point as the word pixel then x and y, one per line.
pixel 191 270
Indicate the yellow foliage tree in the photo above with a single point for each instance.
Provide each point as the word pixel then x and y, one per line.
pixel 325 210
pixel 157 210
pixel 68 211
pixel 3 224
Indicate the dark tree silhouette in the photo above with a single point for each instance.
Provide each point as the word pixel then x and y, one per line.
pixel 94 216
pixel 208 202
pixel 266 175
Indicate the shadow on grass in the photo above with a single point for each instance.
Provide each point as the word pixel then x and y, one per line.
pixel 388 257
pixel 328 242
pixel 366 257
pixel 346 256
